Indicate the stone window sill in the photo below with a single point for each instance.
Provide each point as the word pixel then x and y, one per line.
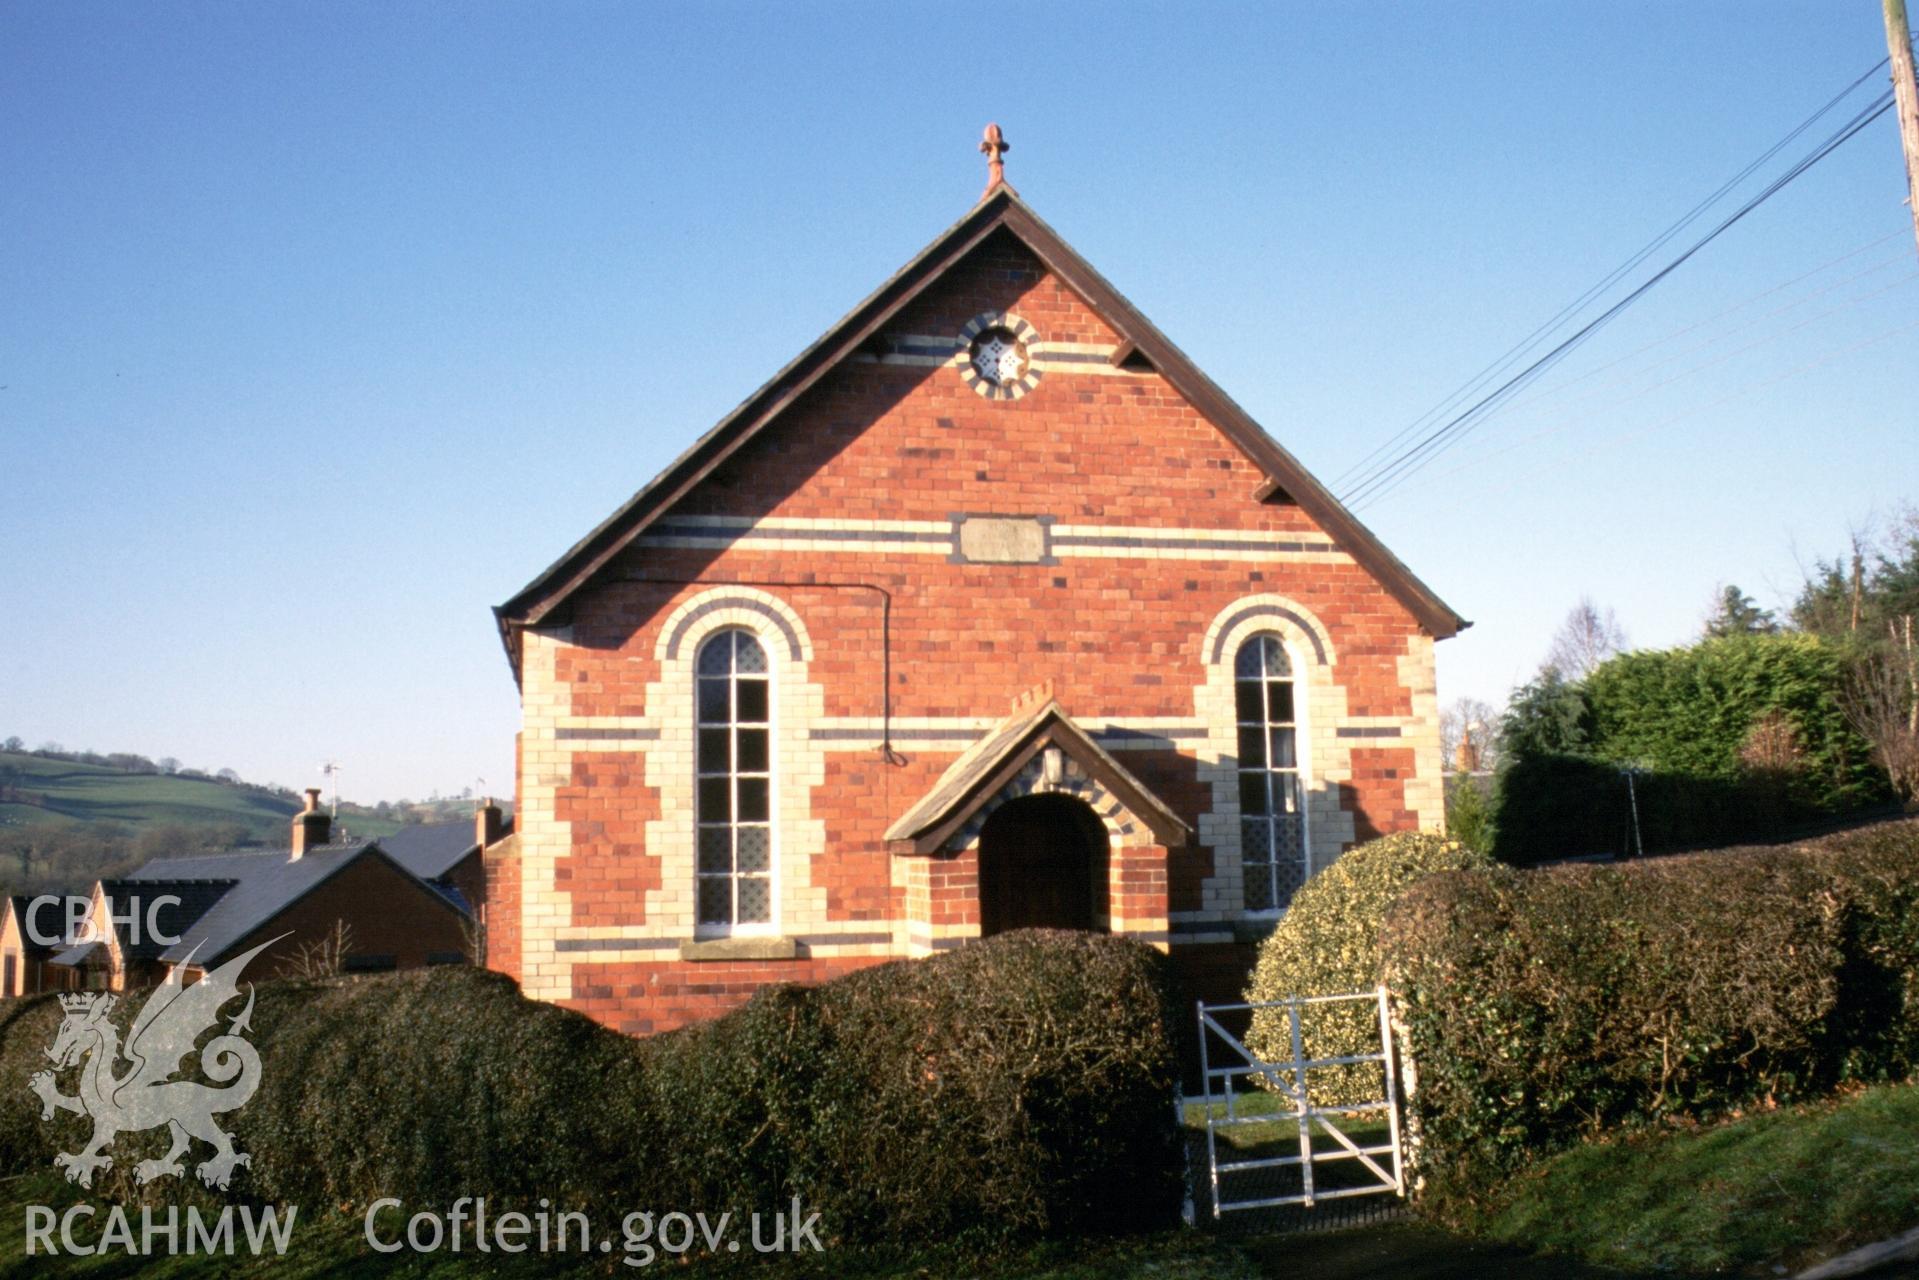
pixel 766 948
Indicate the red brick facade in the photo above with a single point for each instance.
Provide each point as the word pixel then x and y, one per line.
pixel 1128 556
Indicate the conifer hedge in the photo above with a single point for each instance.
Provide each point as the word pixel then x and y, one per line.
pixel 1548 1005
pixel 1018 1087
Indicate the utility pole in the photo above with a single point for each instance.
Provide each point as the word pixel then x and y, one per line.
pixel 1906 94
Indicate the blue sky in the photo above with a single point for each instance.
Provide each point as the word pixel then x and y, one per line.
pixel 324 327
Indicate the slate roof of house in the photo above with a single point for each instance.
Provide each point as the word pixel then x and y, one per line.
pixel 264 883
pixel 431 849
pixel 1000 211
pixel 997 758
pixel 18 904
pixel 76 955
pixel 167 919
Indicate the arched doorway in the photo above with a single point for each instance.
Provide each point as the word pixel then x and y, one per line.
pixel 1042 865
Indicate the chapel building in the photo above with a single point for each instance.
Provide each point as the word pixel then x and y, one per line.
pixel 989 611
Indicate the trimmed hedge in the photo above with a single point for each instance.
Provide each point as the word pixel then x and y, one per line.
pixel 1328 943
pixel 1544 1006
pixel 1018 1087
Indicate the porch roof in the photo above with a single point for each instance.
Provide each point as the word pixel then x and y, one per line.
pixel 998 757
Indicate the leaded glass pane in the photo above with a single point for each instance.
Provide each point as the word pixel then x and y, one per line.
pixel 756 900
pixel 1286 840
pixel 1289 862
pixel 714 708
pixel 716 655
pixel 1256 840
pixel 749 658
pixel 716 849
pixel 755 848
pixel 1259 887
pixel 716 900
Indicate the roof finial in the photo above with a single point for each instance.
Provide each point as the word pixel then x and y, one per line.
pixel 995 145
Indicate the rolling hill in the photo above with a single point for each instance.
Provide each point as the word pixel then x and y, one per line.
pixel 37 790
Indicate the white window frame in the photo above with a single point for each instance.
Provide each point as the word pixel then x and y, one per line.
pixel 771 925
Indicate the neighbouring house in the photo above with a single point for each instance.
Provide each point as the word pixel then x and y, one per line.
pixel 990 610
pixel 23 953
pixel 451 852
pixel 352 906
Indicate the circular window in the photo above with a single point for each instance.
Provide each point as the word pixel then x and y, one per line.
pixel 998 357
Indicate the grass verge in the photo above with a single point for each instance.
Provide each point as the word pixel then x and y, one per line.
pixel 1781 1188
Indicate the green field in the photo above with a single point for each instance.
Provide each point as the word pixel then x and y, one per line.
pixel 68 792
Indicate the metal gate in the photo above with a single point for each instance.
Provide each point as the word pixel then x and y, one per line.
pixel 1239 1091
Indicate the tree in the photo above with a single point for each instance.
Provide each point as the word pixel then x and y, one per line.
pixel 1545 717
pixel 229 777
pixel 169 765
pixel 15 744
pixel 1738 614
pixel 1584 640
pixel 1860 594
pixel 1882 702
pixel 1469 813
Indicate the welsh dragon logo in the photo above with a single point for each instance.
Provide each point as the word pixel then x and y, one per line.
pixel 146 1096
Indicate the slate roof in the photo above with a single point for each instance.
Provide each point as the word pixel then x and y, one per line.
pixel 263 884
pixel 76 955
pixel 170 919
pixel 1000 211
pixel 431 849
pixel 989 764
pixel 19 903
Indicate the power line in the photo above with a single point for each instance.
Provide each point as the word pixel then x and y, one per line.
pixel 1622 437
pixel 1559 389
pixel 1390 474
pixel 1686 373
pixel 1359 470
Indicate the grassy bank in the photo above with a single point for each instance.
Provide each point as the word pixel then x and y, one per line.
pixel 1781 1188
pixel 331 1244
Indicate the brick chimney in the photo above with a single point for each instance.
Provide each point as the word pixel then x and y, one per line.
pixel 1466 755
pixel 487 827
pixel 311 826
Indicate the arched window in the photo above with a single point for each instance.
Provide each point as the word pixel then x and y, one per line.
pixel 1272 821
pixel 735 862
